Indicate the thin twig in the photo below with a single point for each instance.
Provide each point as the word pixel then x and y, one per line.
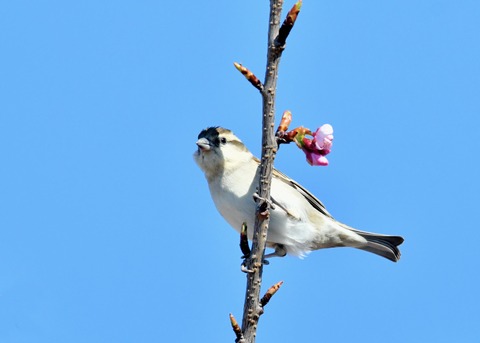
pixel 284 122
pixel 288 24
pixel 237 330
pixel 270 293
pixel 249 76
pixel 284 137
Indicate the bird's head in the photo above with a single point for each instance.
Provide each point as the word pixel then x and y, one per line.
pixel 219 151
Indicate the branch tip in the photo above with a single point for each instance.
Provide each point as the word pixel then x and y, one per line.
pixel 285 122
pixel 288 24
pixel 249 76
pixel 282 135
pixel 270 293
pixel 236 329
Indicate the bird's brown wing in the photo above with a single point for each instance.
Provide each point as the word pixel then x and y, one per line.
pixel 317 204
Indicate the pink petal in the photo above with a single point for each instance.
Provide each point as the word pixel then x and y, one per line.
pixel 323 138
pixel 326 129
pixel 315 159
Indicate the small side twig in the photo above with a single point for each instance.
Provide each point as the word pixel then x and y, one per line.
pixel 249 76
pixel 263 302
pixel 288 24
pixel 236 328
pixel 270 293
pixel 284 122
pixel 282 135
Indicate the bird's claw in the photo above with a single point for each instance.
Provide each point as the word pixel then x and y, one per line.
pixel 263 204
pixel 244 269
pixel 245 263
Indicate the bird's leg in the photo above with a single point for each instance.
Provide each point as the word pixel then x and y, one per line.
pixel 280 251
pixel 245 248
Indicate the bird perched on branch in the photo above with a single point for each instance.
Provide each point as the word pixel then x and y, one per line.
pixel 299 222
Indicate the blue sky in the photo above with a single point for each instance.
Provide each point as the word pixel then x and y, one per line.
pixel 107 230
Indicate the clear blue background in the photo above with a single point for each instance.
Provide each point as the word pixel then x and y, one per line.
pixel 107 230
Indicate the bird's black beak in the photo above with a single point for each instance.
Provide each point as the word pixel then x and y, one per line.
pixel 204 144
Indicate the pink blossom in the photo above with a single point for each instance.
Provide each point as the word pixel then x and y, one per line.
pixel 323 138
pixel 317 148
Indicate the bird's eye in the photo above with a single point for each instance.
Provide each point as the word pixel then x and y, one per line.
pixel 223 140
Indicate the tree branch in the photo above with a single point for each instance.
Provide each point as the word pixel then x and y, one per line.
pixel 253 307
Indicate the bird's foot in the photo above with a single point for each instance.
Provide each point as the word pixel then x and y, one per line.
pixel 244 269
pixel 280 251
pixel 246 264
pixel 263 204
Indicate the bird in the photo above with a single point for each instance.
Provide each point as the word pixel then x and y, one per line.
pixel 299 222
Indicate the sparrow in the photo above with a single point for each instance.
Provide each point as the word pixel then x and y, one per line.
pixel 299 222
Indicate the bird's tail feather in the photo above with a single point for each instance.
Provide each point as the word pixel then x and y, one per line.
pixel 382 245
